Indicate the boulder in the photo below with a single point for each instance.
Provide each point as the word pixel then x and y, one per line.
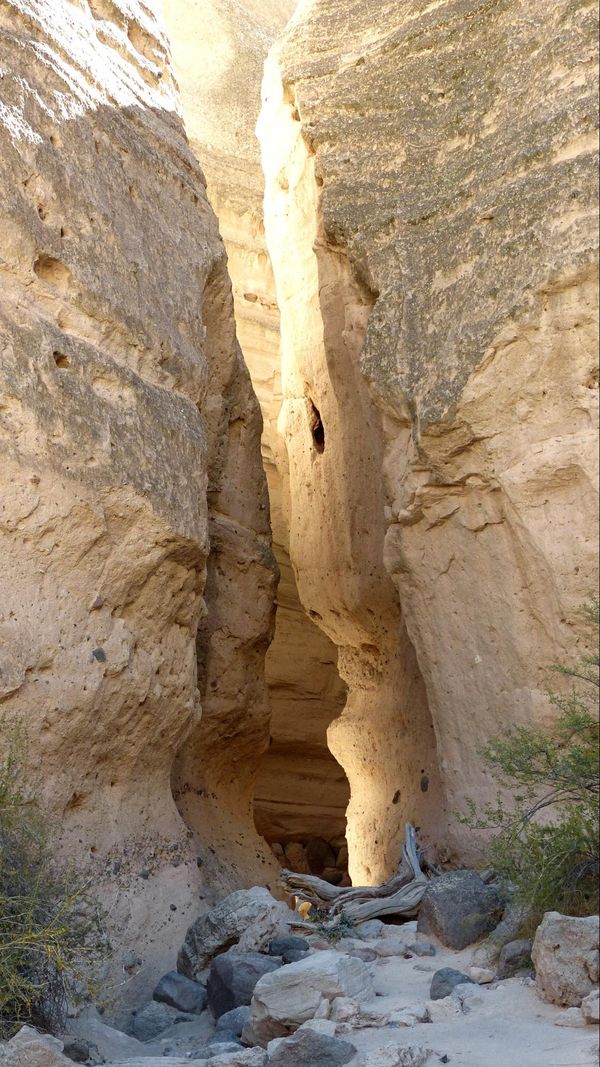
pixel 77 1049
pixel 307 1048
pixel 289 949
pixel 445 980
pixel 248 919
pixel 30 1049
pixel 153 1019
pixel 232 978
pixel 181 993
pixel 287 998
pixel 565 955
pixel 396 1056
pixel 514 957
pixel 440 1011
pixel 590 1007
pixel 459 908
pixel 217 1047
pixel 295 857
pixel 182 1038
pixel 233 1022
pixel 108 1043
pixel 280 945
pixel 422 948
pixel 249 1057
pixel 353 946
pixel 481 975
pixel 319 855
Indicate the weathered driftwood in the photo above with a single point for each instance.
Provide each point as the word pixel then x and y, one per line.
pixel 400 895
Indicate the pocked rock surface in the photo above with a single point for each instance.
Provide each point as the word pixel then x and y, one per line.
pixel 430 213
pixel 131 471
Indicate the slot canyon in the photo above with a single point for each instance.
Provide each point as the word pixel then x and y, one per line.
pixel 298 415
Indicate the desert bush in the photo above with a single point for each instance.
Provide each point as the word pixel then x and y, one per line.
pixel 545 841
pixel 50 932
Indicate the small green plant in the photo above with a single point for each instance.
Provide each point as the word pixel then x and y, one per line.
pixel 546 841
pixel 333 930
pixel 49 930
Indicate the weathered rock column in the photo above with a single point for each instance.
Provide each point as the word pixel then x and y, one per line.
pixel 431 216
pixel 124 401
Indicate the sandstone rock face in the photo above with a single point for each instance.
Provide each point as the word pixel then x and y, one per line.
pixel 218 53
pixel 565 954
pixel 131 469
pixel 430 214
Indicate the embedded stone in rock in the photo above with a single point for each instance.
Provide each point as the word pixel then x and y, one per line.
pixel 565 955
pixel 284 1000
pixel 514 957
pixel 459 908
pixel 307 1048
pixel 232 979
pixel 181 993
pixel 445 980
pixel 249 918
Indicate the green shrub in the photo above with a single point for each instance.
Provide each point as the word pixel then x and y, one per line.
pixel 546 841
pixel 49 930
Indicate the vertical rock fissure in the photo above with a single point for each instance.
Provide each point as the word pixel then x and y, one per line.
pixel 301 792
pixel 384 738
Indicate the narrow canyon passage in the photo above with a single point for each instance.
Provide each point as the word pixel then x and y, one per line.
pixel 301 792
pixel 298 413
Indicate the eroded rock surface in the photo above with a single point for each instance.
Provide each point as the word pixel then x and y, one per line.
pixel 130 442
pixel 431 219
pixel 218 52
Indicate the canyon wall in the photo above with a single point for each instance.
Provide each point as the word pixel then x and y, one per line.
pixel 134 505
pixel 218 56
pixel 430 212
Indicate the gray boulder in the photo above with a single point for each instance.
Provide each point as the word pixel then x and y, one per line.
pixel 248 919
pixel 459 908
pixel 217 1048
pixel 232 978
pixel 422 948
pixel 77 1049
pixel 514 957
pixel 154 1018
pixel 445 981
pixel 290 949
pixel 565 955
pixel 233 1022
pixel 181 993
pixel 307 1048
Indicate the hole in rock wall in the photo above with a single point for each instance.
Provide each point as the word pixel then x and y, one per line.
pixel 316 427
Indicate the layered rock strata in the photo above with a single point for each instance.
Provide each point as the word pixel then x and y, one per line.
pixel 131 469
pixel 430 215
pixel 218 53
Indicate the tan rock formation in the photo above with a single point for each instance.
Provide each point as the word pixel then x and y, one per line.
pixel 430 215
pixel 218 53
pixel 124 407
